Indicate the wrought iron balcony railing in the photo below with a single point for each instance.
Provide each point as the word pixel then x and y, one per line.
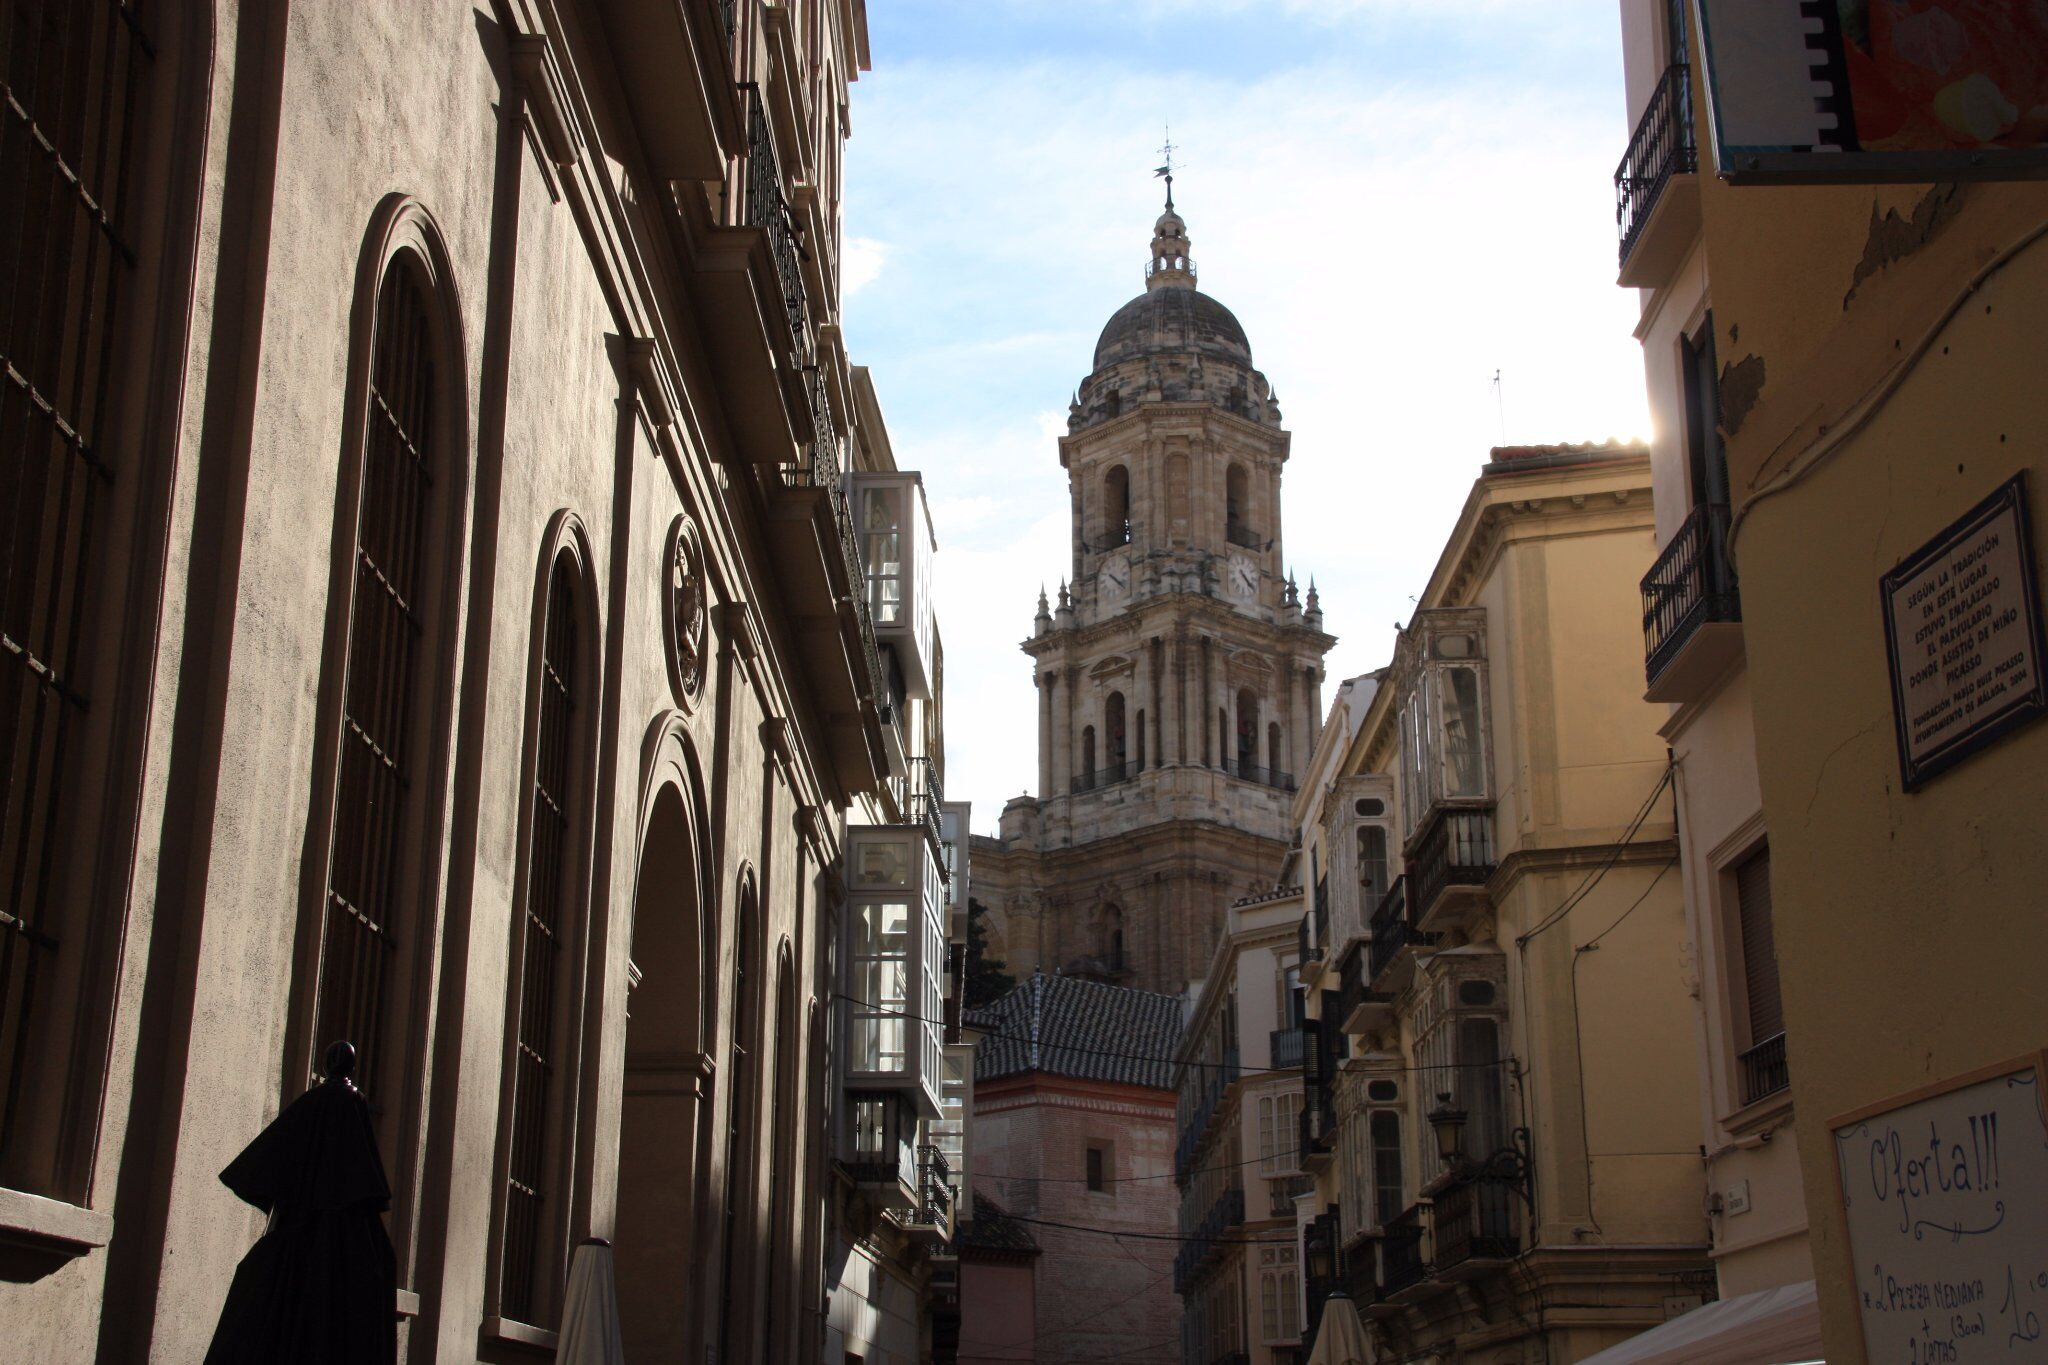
pixel 1476 1220
pixel 1764 1070
pixel 1360 1277
pixel 1354 985
pixel 1692 583
pixel 1390 930
pixel 768 208
pixel 1106 777
pixel 1663 146
pixel 1456 849
pixel 934 1206
pixel 1401 1263
pixel 925 806
pixel 1265 777
pixel 1288 1046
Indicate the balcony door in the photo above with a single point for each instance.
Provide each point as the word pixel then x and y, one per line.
pixel 1706 458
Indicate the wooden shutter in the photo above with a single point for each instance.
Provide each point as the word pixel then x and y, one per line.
pixel 1759 947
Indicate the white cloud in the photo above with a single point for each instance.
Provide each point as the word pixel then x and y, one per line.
pixel 1386 248
pixel 860 263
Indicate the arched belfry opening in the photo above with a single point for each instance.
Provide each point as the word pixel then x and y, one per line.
pixel 1247 732
pixel 1114 736
pixel 1116 507
pixel 1237 506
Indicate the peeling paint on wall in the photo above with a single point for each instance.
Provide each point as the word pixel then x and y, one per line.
pixel 1893 238
pixel 1741 385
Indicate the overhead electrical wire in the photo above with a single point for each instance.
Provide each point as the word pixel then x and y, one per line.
pixel 1593 878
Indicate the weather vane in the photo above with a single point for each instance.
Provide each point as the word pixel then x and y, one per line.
pixel 1166 154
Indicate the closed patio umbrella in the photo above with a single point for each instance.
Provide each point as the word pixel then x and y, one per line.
pixel 590 1332
pixel 1341 1339
pixel 320 1285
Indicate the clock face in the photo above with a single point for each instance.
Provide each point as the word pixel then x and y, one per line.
pixel 1241 580
pixel 1115 581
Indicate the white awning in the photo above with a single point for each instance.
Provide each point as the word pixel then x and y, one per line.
pixel 1770 1327
pixel 1341 1340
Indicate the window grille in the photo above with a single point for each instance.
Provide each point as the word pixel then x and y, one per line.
pixel 379 763
pixel 535 1062
pixel 74 77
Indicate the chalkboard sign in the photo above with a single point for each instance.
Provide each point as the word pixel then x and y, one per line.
pixel 1962 623
pixel 1945 1190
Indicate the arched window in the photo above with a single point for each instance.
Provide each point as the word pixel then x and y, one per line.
pixel 546 945
pixel 1112 946
pixel 1113 736
pixel 1116 506
pixel 383 814
pixel 80 244
pixel 1247 733
pixel 740 1112
pixel 1237 506
pixel 785 1175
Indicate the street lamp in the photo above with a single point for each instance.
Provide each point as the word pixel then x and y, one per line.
pixel 1447 1121
pixel 1508 1165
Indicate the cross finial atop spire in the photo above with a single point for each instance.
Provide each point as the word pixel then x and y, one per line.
pixel 1166 168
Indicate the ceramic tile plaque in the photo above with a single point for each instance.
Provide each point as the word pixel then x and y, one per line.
pixel 1962 624
pixel 1943 1190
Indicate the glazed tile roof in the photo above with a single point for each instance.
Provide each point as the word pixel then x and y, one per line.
pixel 1071 1027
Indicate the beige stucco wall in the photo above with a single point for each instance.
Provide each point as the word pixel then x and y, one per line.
pixel 303 130
pixel 1907 924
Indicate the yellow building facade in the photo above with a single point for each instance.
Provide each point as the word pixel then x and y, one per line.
pixel 1879 351
pixel 1499 1106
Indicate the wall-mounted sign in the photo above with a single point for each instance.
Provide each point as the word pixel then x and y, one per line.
pixel 1962 621
pixel 1863 91
pixel 1943 1189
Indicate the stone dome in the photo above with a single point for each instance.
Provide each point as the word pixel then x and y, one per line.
pixel 1172 322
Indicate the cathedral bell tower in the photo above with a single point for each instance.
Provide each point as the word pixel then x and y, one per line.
pixel 1179 672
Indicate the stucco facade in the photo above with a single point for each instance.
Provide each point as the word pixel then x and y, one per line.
pixel 474 665
pixel 1237 1154
pixel 1878 353
pixel 1179 674
pixel 1696 666
pixel 1494 949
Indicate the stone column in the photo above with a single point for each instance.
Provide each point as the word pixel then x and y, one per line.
pixel 1176 696
pixel 1297 722
pixel 1311 683
pixel 1138 703
pixel 1156 744
pixel 1062 737
pixel 1045 685
pixel 1219 703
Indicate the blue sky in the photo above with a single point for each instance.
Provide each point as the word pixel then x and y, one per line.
pixel 1396 197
